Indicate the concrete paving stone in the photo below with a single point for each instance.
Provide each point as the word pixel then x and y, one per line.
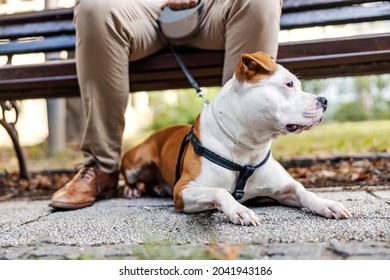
pixel 384 195
pixel 361 249
pixel 296 251
pixel 15 253
pixel 16 213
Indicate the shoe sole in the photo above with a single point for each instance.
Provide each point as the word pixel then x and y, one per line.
pixel 73 206
pixel 68 206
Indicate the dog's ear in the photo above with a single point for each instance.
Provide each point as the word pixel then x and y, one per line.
pixel 253 67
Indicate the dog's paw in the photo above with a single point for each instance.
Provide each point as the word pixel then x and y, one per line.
pixel 241 215
pixel 333 209
pixel 159 190
pixel 131 192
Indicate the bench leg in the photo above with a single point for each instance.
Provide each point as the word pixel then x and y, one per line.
pixel 10 128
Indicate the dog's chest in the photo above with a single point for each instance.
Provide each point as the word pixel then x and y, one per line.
pixel 215 176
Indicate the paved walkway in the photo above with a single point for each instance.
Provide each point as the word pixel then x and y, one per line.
pixel 148 228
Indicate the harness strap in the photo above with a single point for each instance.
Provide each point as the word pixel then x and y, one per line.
pixel 246 171
pixel 183 147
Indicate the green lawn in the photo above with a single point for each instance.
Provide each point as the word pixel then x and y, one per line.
pixel 336 139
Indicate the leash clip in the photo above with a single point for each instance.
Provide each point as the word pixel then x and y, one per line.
pixel 201 93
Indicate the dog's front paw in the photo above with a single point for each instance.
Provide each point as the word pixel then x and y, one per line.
pixel 130 193
pixel 241 215
pixel 333 209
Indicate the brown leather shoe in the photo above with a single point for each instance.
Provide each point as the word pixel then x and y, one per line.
pixel 87 186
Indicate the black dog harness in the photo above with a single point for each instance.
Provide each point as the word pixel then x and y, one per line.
pixel 245 170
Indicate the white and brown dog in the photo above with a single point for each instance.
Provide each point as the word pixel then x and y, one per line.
pixel 224 158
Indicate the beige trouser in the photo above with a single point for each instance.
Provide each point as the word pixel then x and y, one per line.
pixel 110 33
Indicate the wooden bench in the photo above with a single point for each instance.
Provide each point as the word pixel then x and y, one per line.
pixel 53 31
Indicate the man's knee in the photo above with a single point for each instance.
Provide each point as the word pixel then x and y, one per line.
pixel 263 10
pixel 92 10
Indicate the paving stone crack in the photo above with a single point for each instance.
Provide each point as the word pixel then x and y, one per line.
pixel 35 219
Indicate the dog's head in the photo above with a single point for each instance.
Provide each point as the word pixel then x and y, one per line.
pixel 272 97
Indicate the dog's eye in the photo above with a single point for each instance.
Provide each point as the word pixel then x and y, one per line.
pixel 290 84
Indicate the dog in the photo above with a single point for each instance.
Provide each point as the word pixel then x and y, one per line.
pixel 224 158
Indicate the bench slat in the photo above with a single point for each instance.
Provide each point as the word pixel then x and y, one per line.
pixel 37 29
pixel 346 70
pixel 335 16
pixel 36 45
pixel 336 59
pixel 374 42
pixel 40 16
pixel 302 5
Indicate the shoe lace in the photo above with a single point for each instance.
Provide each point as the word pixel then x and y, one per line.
pixel 88 172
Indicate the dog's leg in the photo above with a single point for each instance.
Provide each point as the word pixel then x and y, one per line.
pixel 148 176
pixel 131 178
pixel 294 194
pixel 193 198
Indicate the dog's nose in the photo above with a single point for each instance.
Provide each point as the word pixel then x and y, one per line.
pixel 323 102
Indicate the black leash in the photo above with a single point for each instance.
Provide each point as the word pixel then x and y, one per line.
pixel 188 75
pixel 246 171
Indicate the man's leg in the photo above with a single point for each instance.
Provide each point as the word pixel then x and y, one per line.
pixel 239 26
pixel 108 34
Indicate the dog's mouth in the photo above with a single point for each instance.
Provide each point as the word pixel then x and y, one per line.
pixel 298 127
pixel 294 127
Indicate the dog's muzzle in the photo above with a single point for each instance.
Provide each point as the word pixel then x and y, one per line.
pixel 322 103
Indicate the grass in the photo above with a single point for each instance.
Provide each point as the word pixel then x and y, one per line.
pixel 328 138
pixel 347 138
